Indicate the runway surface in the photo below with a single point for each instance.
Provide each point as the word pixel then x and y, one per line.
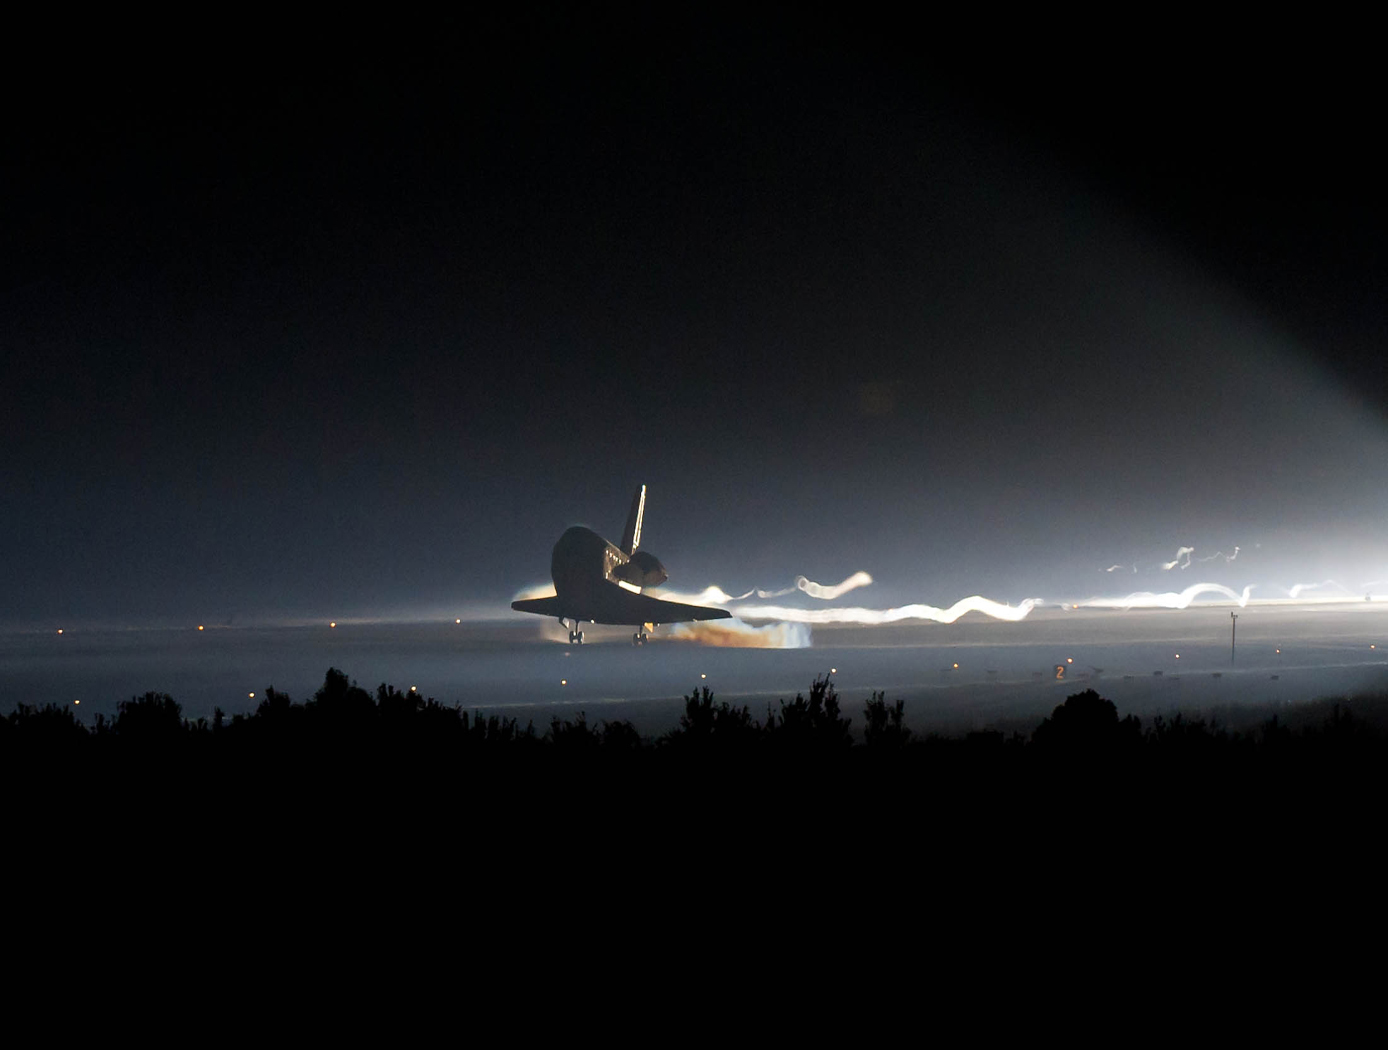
pixel 975 673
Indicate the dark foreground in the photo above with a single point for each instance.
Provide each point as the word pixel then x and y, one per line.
pixel 347 744
pixel 391 827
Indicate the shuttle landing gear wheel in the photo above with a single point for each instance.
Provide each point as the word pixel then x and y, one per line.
pixel 640 637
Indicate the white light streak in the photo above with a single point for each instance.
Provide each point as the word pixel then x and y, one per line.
pixel 1296 590
pixel 715 595
pixel 1168 599
pixel 1220 554
pixel 816 590
pixel 1181 553
pixel 854 615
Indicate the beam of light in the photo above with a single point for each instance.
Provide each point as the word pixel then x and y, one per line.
pixel 1220 554
pixel 715 595
pixel 1119 568
pixel 734 634
pixel 1168 599
pixel 712 595
pixel 1181 552
pixel 1296 590
pixel 816 590
pixel 974 603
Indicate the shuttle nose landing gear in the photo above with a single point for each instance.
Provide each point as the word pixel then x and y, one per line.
pixel 575 635
pixel 641 637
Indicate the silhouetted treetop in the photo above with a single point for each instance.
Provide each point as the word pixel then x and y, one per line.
pixel 150 718
pixel 883 726
pixel 814 723
pixel 1087 721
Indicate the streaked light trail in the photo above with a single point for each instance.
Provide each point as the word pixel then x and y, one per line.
pixel 1181 553
pixel 854 615
pixel 1168 599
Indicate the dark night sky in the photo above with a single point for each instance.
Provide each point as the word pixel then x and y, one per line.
pixel 339 331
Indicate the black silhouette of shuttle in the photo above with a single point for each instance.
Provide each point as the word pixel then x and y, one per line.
pixel 600 583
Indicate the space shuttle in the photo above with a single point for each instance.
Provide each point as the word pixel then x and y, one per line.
pixel 598 582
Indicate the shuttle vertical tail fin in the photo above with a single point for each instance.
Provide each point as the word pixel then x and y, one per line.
pixel 631 535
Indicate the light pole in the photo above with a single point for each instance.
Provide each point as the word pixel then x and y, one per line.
pixel 1233 633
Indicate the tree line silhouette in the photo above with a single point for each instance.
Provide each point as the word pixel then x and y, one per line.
pixel 342 715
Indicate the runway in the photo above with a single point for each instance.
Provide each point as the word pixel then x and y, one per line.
pixel 976 673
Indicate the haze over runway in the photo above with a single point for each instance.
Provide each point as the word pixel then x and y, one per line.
pixel 976 673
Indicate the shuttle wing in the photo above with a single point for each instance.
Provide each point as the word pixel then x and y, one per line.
pixel 628 608
pixel 544 606
pixel 609 604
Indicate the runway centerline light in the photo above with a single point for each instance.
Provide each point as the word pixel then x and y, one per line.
pixel 833 670
pixel 251 695
pixel 458 620
pixel 77 701
pixel 563 681
pixel 414 688
pixel 332 623
pixel 200 627
pixel 1069 659
pixel 60 630
pixel 703 676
